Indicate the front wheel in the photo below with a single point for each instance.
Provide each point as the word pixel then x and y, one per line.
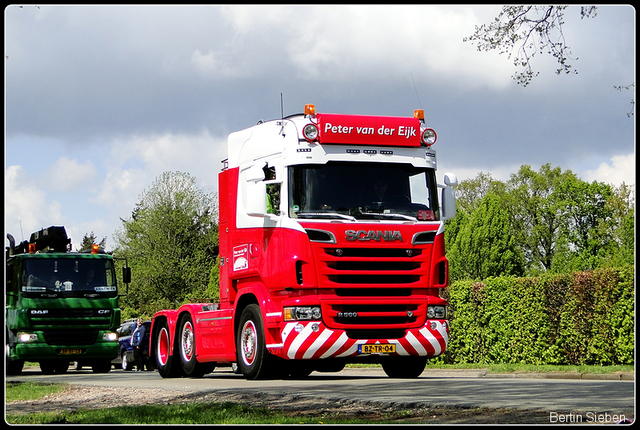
pixel 163 354
pixel 251 350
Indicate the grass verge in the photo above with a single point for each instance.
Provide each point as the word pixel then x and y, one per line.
pixel 30 390
pixel 190 413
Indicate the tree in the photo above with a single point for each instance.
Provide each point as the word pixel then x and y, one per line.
pixel 469 193
pixel 486 246
pixel 521 32
pixel 171 242
pixel 90 239
pixel 590 218
pixel 537 213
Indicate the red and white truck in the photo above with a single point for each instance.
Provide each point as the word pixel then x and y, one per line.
pixel 331 252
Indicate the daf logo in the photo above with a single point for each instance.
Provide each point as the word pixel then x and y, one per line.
pixel 377 235
pixel 39 311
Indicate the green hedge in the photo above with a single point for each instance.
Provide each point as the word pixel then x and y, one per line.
pixel 574 319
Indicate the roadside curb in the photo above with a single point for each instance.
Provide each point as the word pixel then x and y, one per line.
pixel 483 373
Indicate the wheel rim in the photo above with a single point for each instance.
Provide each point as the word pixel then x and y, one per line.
pixel 248 343
pixel 124 360
pixel 162 352
pixel 187 341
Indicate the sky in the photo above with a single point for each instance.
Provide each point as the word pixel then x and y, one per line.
pixel 101 100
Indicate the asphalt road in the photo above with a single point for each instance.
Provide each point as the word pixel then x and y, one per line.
pixel 593 399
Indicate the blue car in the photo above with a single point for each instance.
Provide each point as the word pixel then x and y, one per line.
pixel 126 349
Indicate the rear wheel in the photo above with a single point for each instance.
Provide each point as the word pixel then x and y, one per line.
pixel 251 350
pixel 164 356
pixel 190 365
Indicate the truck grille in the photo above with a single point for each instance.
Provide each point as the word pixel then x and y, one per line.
pixel 43 318
pixel 367 289
pixel 369 267
pixel 70 337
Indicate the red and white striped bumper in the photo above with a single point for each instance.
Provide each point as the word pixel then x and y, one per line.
pixel 313 340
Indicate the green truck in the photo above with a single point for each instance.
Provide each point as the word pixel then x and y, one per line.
pixel 61 306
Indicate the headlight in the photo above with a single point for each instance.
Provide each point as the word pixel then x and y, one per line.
pixel 438 312
pixel 310 132
pixel 302 313
pixel 110 336
pixel 27 337
pixel 429 136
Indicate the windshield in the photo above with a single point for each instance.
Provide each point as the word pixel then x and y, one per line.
pixel 381 191
pixel 68 277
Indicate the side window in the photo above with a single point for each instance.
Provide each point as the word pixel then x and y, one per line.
pixel 273 184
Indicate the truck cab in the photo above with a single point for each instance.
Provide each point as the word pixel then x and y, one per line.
pixel 61 306
pixel 331 250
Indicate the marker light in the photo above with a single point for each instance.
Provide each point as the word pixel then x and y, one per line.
pixel 419 114
pixel 310 132
pixel 429 136
pixel 94 248
pixel 309 110
pixel 32 248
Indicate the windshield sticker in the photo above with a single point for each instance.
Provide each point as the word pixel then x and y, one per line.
pixel 105 289
pixel 33 289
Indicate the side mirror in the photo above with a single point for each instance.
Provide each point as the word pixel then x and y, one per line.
pixel 256 203
pixel 255 191
pixel 254 173
pixel 448 204
pixel 126 275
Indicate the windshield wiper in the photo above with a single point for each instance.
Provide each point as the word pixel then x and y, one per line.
pixel 375 214
pixel 325 215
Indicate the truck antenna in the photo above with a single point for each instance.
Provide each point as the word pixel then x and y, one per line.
pixel 282 116
pixel 416 89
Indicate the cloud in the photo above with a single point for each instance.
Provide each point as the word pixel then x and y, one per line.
pixel 339 43
pixel 212 66
pixel 136 161
pixel 26 208
pixel 622 169
pixel 67 175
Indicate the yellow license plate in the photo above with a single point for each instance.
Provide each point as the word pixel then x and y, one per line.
pixel 71 351
pixel 377 348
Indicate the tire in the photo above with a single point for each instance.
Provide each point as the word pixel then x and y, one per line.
pixel 163 355
pixel 404 367
pixel 251 351
pixel 187 347
pixel 126 365
pixel 13 367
